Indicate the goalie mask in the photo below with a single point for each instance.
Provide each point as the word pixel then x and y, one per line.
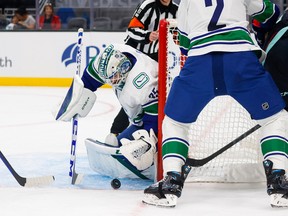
pixel 113 67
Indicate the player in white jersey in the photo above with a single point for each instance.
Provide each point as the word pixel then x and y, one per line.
pixel 133 76
pixel 222 60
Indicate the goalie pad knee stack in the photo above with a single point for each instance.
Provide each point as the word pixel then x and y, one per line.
pixel 107 160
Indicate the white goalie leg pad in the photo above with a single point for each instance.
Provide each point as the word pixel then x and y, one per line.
pixel 101 159
pixel 276 127
pixel 106 160
pixel 78 100
pixel 141 151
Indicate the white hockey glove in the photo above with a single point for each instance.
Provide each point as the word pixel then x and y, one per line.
pixel 78 100
pixel 140 152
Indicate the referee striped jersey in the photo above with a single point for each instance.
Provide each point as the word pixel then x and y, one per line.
pixel 145 20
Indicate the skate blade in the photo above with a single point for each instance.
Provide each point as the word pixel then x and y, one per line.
pixel 278 201
pixel 170 200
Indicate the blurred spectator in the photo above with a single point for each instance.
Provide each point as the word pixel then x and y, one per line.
pixel 49 20
pixel 3 21
pixel 14 24
pixel 25 19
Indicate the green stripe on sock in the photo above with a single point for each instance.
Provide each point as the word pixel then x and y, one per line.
pixel 175 147
pixel 274 145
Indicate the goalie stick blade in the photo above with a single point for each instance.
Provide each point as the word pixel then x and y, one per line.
pixel 77 178
pixel 26 182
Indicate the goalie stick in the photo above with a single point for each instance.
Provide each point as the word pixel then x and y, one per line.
pixel 27 182
pixel 76 178
pixel 190 162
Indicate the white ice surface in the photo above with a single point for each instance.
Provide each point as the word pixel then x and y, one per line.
pixel 35 144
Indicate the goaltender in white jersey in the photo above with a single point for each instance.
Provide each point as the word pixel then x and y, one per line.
pixel 133 76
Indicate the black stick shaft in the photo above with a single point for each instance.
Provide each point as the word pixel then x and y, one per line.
pixel 200 162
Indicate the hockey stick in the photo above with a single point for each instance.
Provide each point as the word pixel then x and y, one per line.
pixel 76 178
pixel 190 162
pixel 27 182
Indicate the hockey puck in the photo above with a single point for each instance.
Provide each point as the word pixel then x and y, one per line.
pixel 115 183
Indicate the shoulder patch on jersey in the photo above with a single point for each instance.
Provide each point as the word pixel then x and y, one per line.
pixel 140 80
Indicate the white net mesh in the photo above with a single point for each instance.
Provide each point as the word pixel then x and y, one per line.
pixel 220 122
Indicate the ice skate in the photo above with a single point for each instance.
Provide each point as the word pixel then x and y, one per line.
pixel 277 185
pixel 165 192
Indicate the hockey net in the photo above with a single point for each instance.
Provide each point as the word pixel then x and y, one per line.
pixel 220 122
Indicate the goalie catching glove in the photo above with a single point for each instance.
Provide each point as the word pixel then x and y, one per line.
pixel 140 152
pixel 78 100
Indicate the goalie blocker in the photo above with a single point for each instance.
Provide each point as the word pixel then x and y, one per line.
pixel 134 159
pixel 78 100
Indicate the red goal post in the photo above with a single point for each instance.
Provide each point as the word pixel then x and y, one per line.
pixel 221 121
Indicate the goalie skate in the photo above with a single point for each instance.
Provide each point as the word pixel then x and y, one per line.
pixel 165 192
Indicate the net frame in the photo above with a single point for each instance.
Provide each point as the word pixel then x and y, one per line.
pixel 242 163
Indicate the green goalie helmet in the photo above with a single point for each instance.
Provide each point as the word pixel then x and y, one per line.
pixel 113 67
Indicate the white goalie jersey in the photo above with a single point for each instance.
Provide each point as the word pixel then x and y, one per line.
pixel 141 86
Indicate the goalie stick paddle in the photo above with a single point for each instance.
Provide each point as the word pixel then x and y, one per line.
pixel 27 182
pixel 76 178
pixel 200 162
